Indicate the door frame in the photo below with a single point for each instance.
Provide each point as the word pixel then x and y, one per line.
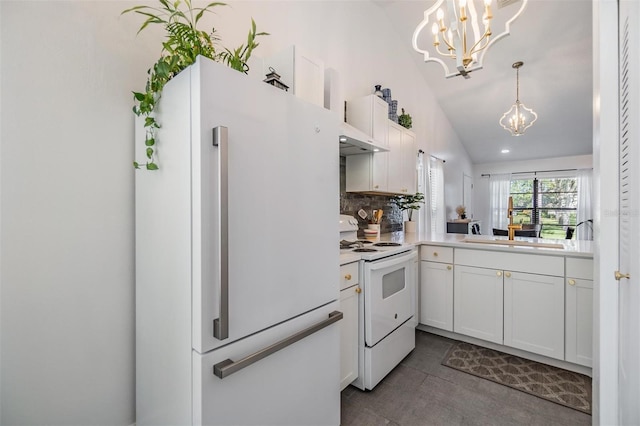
pixel 605 159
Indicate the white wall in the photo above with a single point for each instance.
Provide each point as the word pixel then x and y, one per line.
pixel 481 194
pixel 66 194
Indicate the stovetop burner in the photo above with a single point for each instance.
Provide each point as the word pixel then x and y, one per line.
pixel 364 250
pixel 387 244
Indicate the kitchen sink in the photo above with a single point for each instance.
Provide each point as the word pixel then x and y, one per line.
pixel 523 243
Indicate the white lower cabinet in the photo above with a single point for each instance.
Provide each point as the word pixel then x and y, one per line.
pixel 478 303
pixel 579 312
pixel 350 290
pixel 534 313
pixel 436 287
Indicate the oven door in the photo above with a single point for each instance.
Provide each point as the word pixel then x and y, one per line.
pixel 389 291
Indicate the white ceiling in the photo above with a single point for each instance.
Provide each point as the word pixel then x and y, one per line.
pixel 553 39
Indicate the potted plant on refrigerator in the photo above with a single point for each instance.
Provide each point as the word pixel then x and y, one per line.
pixel 409 203
pixel 183 43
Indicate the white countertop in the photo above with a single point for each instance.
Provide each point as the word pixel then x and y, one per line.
pixel 572 248
pixel 348 258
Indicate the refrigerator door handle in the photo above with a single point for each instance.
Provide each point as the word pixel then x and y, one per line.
pixel 227 367
pixel 221 139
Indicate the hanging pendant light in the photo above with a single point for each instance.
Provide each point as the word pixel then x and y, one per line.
pixel 519 118
pixel 462 31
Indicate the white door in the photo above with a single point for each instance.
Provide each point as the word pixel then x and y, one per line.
pixel 436 295
pixel 389 295
pixel 478 303
pixel 534 313
pixel 295 385
pixel 283 180
pixel 467 194
pixel 629 237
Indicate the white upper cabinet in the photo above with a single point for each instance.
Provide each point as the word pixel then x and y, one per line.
pixel 303 73
pixel 402 160
pixel 370 114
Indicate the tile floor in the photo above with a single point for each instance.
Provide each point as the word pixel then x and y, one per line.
pixel 421 391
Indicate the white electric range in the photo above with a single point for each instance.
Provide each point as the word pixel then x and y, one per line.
pixel 367 250
pixel 387 314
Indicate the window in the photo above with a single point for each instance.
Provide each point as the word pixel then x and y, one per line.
pixel 551 202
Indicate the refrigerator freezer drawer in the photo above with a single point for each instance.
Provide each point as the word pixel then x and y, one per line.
pixel 299 384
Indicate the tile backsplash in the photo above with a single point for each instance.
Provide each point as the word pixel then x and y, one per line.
pixel 351 203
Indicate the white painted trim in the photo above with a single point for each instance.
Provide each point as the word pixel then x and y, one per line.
pixel 509 350
pixel 605 160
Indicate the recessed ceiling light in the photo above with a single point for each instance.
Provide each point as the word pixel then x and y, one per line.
pixel 343 139
pixel 505 151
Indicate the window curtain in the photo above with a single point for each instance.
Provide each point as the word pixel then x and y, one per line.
pixel 436 210
pixel 499 189
pixel 422 213
pixel 584 228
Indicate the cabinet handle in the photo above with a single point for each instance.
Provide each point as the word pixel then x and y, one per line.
pixel 507 274
pixel 448 267
pixel 572 282
pixel 358 290
pixel 347 277
pixel 435 254
pixel 499 273
pixel 221 140
pixel 618 276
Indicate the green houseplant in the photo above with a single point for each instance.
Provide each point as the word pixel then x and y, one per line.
pixel 405 120
pixel 409 203
pixel 182 45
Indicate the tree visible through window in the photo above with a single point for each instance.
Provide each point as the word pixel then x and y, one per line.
pixel 551 202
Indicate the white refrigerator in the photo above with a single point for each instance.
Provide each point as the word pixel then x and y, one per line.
pixel 237 313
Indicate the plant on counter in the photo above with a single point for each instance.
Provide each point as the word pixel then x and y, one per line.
pixel 182 45
pixel 405 120
pixel 462 211
pixel 408 202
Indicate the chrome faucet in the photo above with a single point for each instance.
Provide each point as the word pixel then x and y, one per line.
pixel 512 228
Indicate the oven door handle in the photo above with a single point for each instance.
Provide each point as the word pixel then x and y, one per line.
pixel 392 260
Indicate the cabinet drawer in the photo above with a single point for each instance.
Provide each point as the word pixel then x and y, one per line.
pixel 531 263
pixel 580 268
pixel 348 275
pixel 436 254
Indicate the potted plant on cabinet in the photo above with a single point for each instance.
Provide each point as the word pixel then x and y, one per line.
pixel 409 203
pixel 183 43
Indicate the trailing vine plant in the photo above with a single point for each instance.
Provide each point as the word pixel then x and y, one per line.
pixel 184 42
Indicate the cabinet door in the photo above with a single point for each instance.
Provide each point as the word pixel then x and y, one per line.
pixel 349 336
pixel 436 295
pixel 379 169
pixel 309 77
pixel 534 313
pixel 409 155
pixel 395 159
pixel 579 321
pixel 380 111
pixel 477 310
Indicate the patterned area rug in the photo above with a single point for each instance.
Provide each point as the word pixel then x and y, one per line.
pixel 554 384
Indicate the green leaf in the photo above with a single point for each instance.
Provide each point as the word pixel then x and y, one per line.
pixel 136 165
pixel 149 121
pixel 150 142
pixel 139 96
pixel 152 166
pixel 149 153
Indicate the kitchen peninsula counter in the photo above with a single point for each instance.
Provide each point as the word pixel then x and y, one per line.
pixel 572 248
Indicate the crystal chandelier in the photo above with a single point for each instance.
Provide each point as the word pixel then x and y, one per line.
pixel 456 34
pixel 519 118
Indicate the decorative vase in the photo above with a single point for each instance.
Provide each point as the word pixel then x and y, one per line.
pixel 378 91
pixel 410 227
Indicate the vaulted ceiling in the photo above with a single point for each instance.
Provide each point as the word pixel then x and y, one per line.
pixel 554 40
